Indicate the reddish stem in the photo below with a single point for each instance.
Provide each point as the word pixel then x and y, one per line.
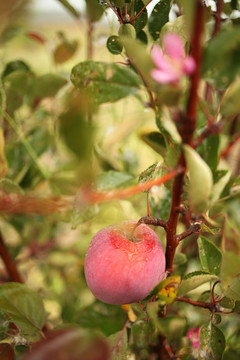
pixel 90 39
pixel 115 11
pixel 120 336
pixel 150 220
pixel 94 197
pixel 171 227
pixel 195 303
pixel 196 52
pixel 215 128
pixel 193 229
pixel 218 17
pixel 228 148
pixel 135 17
pixel 9 263
pixel 187 130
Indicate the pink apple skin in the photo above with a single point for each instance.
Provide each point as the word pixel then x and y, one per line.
pixel 119 271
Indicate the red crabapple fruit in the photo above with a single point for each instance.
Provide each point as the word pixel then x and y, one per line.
pixel 124 263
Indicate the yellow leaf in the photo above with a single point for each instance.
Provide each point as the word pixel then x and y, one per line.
pixel 168 292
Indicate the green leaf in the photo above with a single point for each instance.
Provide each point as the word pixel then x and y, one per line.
pixel 219 186
pixel 210 256
pixel 212 343
pixel 16 65
pixel 141 332
pixel 114 45
pixel 152 172
pixel 18 85
pixel 179 259
pixel 141 59
pixel 235 4
pixel 188 9
pixel 9 186
pixel 210 155
pixel 112 180
pixel 121 351
pixel 47 86
pixel 127 31
pixel 231 354
pixel 156 141
pixel 119 3
pixel 103 317
pixel 141 20
pixel 94 10
pixel 224 46
pixel 105 82
pixel 69 7
pixel 201 180
pixel 76 132
pixel 230 100
pixel 193 281
pixel 64 51
pixel 233 289
pixel 166 125
pixel 227 303
pixel 159 17
pixel 178 27
pixel 142 37
pixel 24 307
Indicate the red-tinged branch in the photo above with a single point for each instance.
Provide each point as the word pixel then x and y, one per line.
pixel 188 127
pixel 195 303
pixel 115 11
pixel 9 263
pixel 94 197
pixel 25 204
pixel 150 220
pixel 171 227
pixel 218 17
pixel 196 228
pixel 212 129
pixel 229 147
pixel 135 17
pixel 120 336
pixel 196 52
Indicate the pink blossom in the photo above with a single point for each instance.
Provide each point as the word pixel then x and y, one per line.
pixel 171 62
pixel 193 336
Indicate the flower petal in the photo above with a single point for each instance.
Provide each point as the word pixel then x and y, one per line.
pixel 159 60
pixel 164 77
pixel 189 65
pixel 174 46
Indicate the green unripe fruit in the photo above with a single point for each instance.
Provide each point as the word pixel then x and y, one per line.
pixel 127 30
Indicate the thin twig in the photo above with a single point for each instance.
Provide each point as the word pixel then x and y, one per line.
pixel 10 266
pixel 121 335
pixel 150 220
pixel 195 303
pixel 115 11
pixel 135 17
pixel 215 128
pixel 228 148
pixel 94 197
pixel 193 229
pixel 218 17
